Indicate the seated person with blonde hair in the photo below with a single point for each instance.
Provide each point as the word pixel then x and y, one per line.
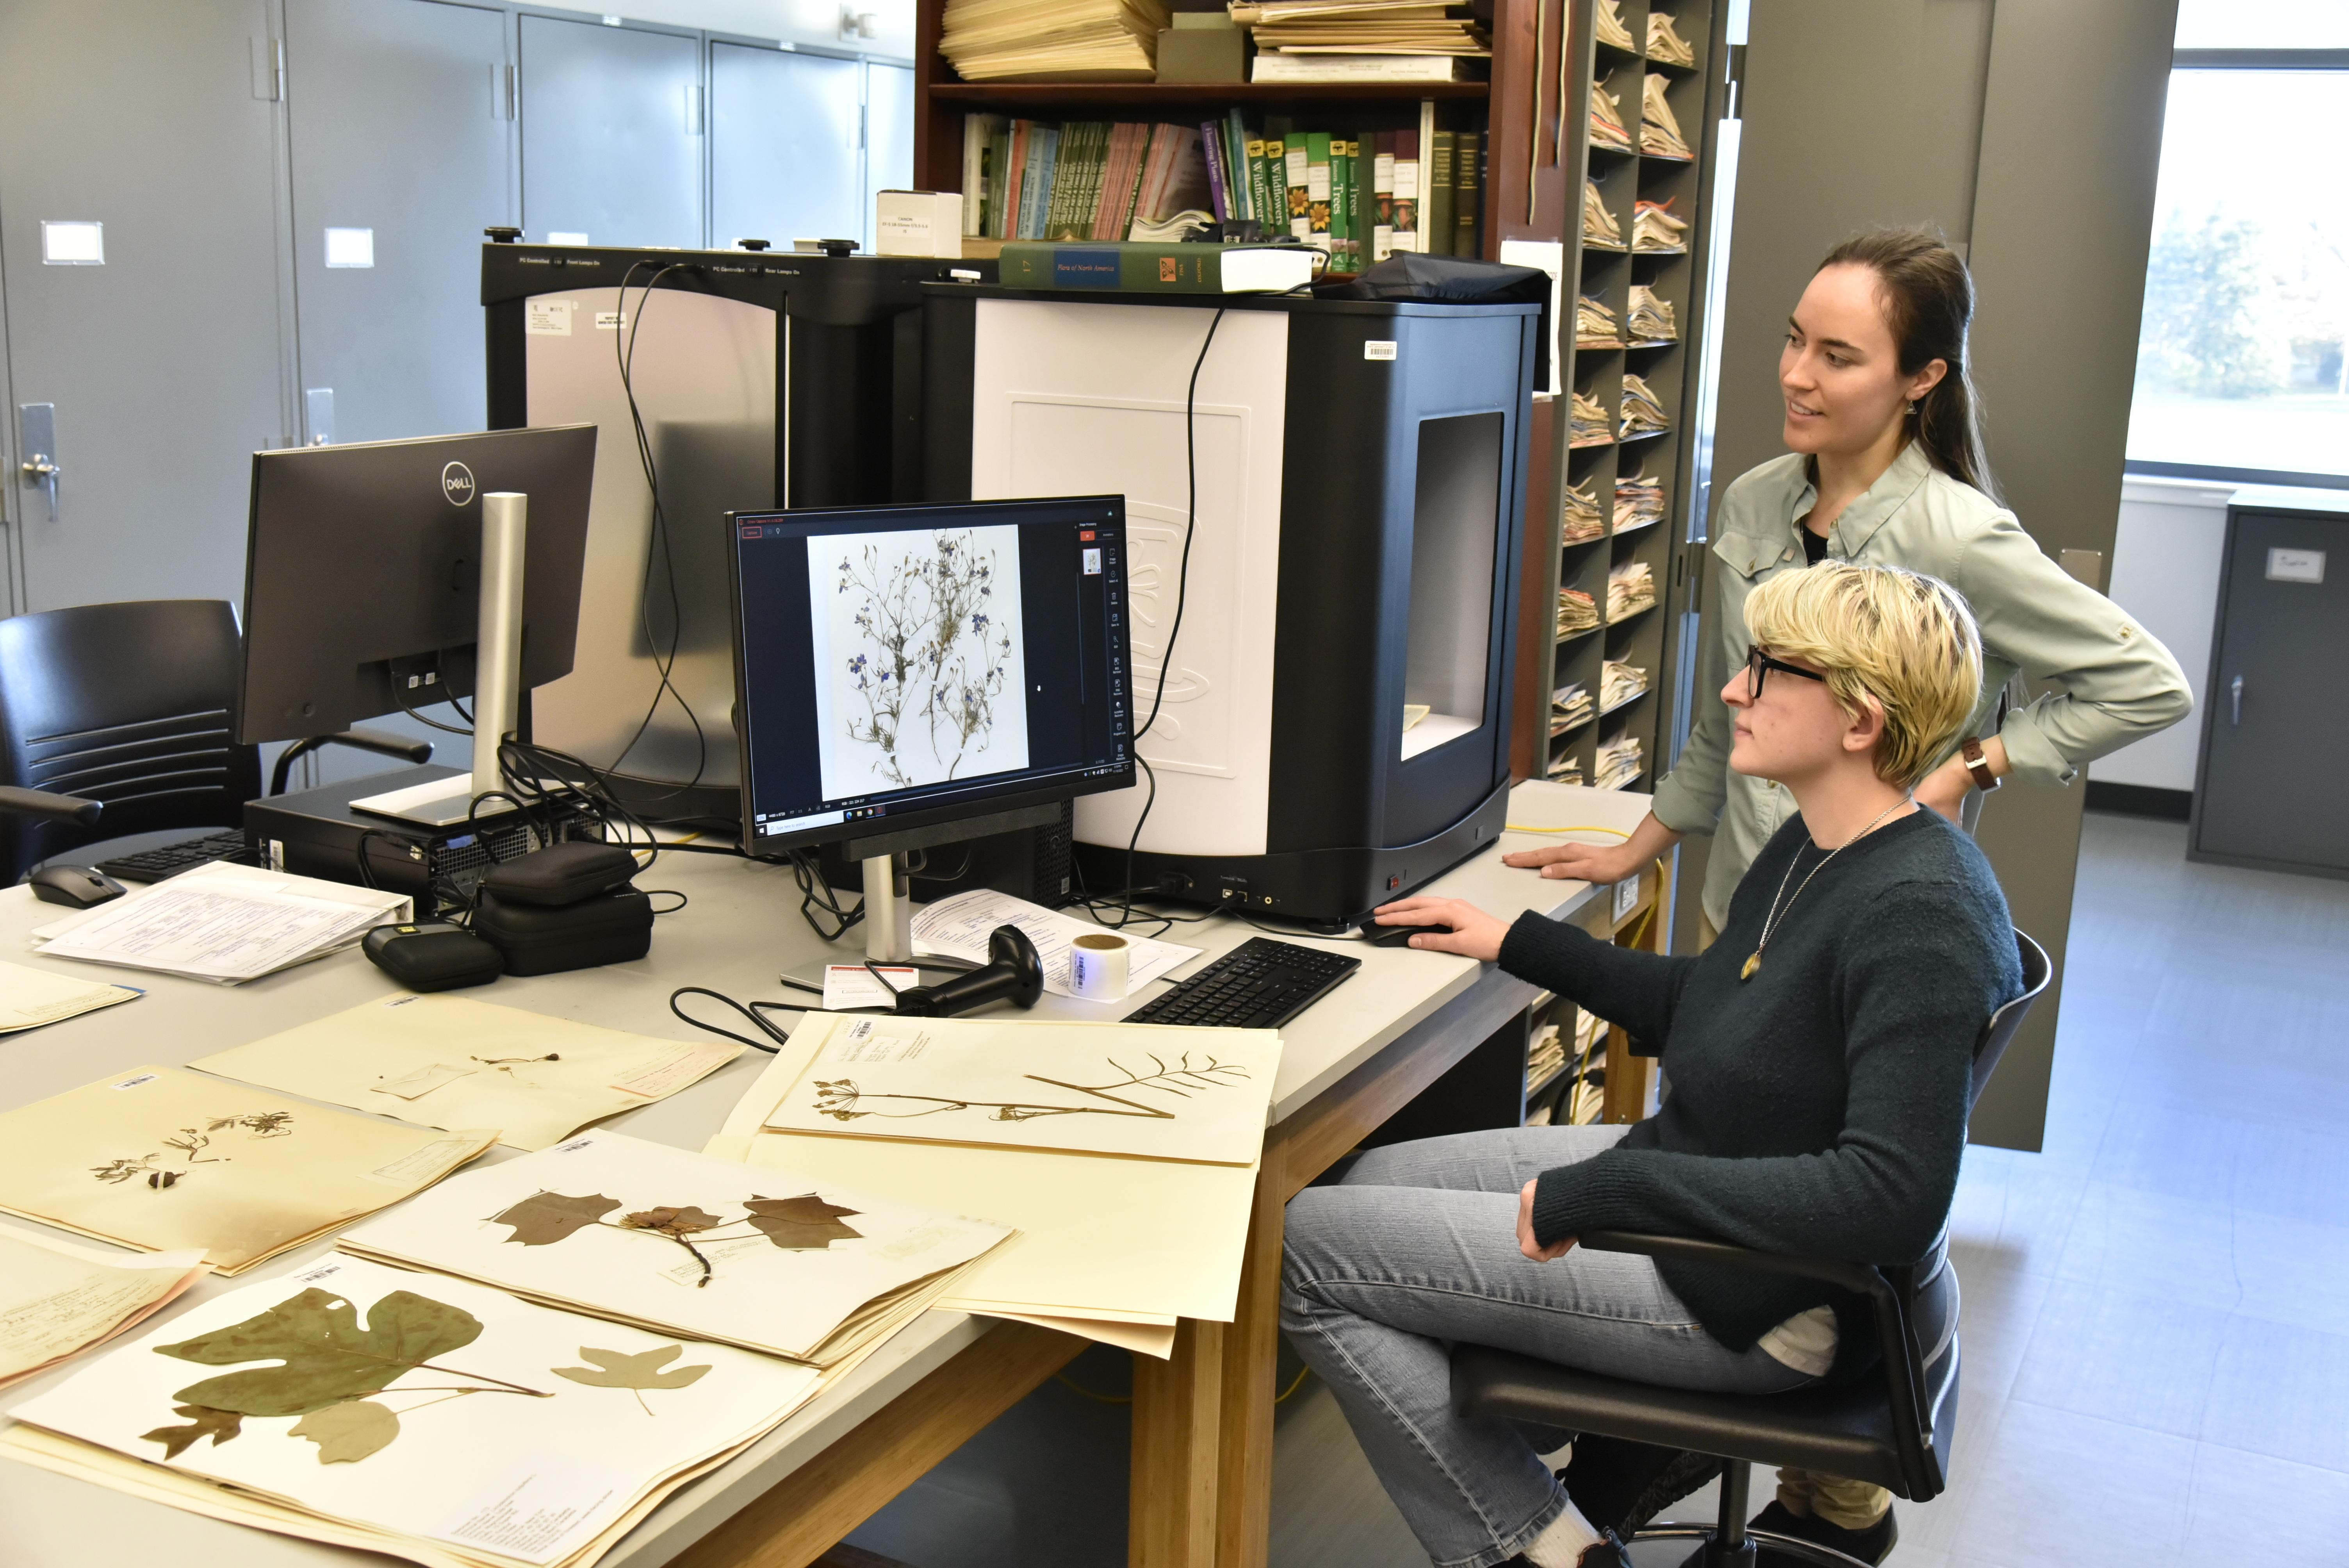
pixel 1819 1055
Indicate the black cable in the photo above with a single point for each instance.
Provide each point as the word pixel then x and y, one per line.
pixel 815 893
pixel 623 351
pixel 399 696
pixel 1182 595
pixel 749 1012
pixel 667 892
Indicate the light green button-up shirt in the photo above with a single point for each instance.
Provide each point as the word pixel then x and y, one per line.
pixel 2118 684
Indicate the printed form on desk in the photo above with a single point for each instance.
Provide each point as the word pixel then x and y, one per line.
pixel 958 927
pixel 223 923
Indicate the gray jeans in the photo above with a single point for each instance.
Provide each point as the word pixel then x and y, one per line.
pixel 1415 1247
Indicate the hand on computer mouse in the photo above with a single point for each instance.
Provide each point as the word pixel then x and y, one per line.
pixel 1448 925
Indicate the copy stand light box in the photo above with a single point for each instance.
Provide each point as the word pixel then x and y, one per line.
pixel 1334 725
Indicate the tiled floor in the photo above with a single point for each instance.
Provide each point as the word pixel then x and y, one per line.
pixel 2157 1306
pixel 2155 1309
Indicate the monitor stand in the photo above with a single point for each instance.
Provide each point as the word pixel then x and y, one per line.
pixel 888 887
pixel 497 683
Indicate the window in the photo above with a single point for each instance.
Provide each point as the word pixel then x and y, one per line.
pixel 2243 351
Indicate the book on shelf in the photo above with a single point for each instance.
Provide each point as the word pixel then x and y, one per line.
pixel 1052 40
pixel 1316 189
pixel 1659 133
pixel 1581 522
pixel 1607 119
pixel 1181 268
pixel 1665 43
pixel 1467 187
pixel 1598 226
pixel 1643 413
pixel 1382 154
pixel 1631 588
pixel 1441 224
pixel 1655 230
pixel 1650 319
pixel 1639 500
pixel 1407 193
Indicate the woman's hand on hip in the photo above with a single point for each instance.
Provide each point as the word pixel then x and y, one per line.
pixel 1473 934
pixel 1945 789
pixel 1525 1242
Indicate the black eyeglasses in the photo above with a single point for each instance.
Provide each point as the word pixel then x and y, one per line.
pixel 1758 664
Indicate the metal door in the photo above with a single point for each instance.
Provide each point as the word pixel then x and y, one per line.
pixel 2275 738
pixel 400 115
pixel 888 136
pixel 165 359
pixel 611 134
pixel 786 156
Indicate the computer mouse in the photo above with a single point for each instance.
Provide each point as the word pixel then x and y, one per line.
pixel 1400 935
pixel 76 887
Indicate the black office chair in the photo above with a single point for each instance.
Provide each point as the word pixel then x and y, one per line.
pixel 130 708
pixel 1895 1432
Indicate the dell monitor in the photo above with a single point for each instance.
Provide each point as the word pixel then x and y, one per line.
pixel 912 675
pixel 362 574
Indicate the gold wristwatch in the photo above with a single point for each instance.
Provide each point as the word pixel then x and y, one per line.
pixel 1970 748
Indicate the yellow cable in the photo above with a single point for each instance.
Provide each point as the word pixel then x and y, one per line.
pixel 1295 1384
pixel 1088 1393
pixel 1593 828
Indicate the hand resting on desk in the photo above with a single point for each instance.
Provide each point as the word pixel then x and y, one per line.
pixel 1473 934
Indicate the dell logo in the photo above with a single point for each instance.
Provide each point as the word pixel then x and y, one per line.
pixel 456 483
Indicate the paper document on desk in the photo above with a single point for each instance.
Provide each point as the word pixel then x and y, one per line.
pixel 223 923
pixel 958 927
pixel 31 997
pixel 59 1298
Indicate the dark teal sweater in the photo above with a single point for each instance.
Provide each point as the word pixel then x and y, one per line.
pixel 1818 1109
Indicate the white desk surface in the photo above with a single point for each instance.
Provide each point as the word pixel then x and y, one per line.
pixel 740 927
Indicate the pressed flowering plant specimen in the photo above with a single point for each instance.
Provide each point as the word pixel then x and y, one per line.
pixel 930 650
pixel 194 1145
pixel 843 1100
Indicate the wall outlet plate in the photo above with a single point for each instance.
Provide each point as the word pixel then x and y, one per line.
pixel 1627 897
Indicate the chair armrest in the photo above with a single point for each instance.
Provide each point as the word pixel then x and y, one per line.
pixel 383 743
pixel 55 807
pixel 1895 1327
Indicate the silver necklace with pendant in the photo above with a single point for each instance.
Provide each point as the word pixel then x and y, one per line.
pixel 1770 922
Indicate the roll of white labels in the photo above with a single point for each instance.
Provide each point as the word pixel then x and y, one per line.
pixel 1098 964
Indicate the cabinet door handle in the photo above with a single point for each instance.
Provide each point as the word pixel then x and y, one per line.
pixel 2237 691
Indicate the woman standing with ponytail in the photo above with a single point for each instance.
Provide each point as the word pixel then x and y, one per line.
pixel 1886 466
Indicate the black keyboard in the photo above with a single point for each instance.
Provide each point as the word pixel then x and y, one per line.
pixel 170 860
pixel 1260 985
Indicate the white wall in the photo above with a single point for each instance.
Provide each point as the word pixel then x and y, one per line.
pixel 787 21
pixel 2166 560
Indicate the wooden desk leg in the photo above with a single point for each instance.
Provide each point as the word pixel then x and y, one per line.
pixel 1171 1491
pixel 1244 1483
pixel 798 1520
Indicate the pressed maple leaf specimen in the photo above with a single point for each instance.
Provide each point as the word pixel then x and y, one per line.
pixel 791 1223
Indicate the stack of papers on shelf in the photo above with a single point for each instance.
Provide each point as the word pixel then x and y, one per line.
pixel 1654 229
pixel 1619 762
pixel 1586 1099
pixel 1618 683
pixel 1295 65
pixel 1665 43
pixel 1569 706
pixel 677 1243
pixel 1399 27
pixel 958 927
pixel 1631 588
pixel 59 1298
pixel 450 1062
pixel 1639 500
pixel 1175 229
pixel 1581 522
pixel 1546 1058
pixel 415 1415
pixel 1607 119
pixel 1650 319
pixel 1607 21
pixel 1642 414
pixel 164 1161
pixel 223 923
pixel 1577 613
pixel 1056 40
pixel 1600 229
pixel 1660 133
pixel 1586 424
pixel 31 997
pixel 1594 324
pixel 1565 768
pixel 1065 1132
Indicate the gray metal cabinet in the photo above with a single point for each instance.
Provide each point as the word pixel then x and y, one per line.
pixel 786 157
pixel 2275 729
pixel 163 362
pixel 400 122
pixel 611 134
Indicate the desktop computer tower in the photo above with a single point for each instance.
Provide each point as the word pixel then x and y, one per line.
pixel 761 379
pixel 1334 728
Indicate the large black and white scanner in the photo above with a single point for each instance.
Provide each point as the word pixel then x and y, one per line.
pixel 1360 470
